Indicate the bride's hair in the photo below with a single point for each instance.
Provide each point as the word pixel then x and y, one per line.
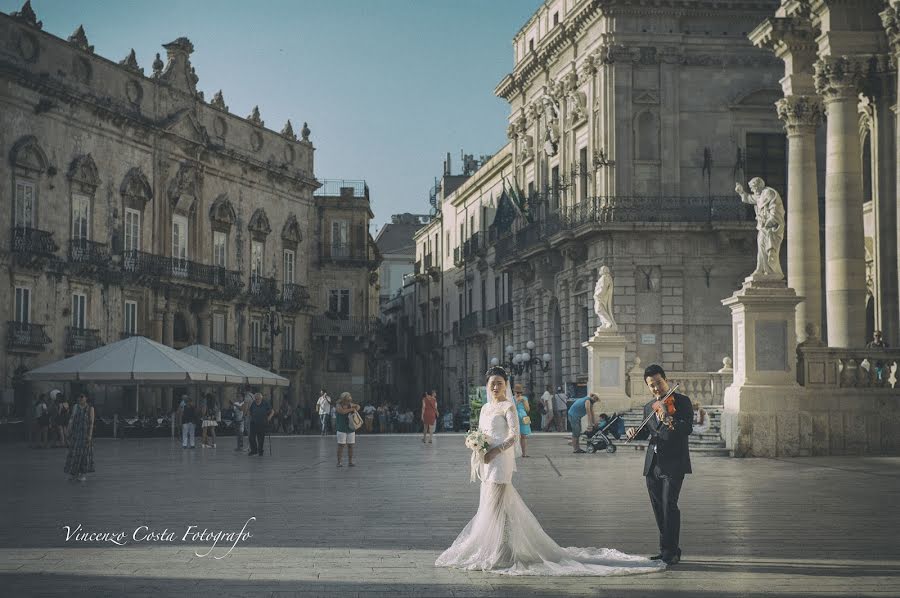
pixel 496 370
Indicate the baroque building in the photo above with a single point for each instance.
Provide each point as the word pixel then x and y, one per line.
pixel 137 207
pixel 629 125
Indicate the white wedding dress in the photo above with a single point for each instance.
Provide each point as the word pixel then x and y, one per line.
pixel 505 537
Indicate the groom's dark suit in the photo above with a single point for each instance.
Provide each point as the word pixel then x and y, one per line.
pixel 667 461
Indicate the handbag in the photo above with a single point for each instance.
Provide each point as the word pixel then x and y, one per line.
pixel 526 420
pixel 356 422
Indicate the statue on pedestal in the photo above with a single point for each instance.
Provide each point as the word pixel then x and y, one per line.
pixel 603 294
pixel 769 226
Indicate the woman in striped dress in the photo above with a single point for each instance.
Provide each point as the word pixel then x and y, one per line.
pixel 80 459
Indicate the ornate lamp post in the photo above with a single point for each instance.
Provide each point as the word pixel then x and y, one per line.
pixel 272 326
pixel 519 363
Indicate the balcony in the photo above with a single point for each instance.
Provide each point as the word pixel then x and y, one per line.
pixel 345 253
pixel 497 316
pixel 345 189
pixel 294 297
pixel 291 360
pixel 353 327
pixel 457 257
pixel 428 261
pixel 469 325
pixel 225 348
pixel 260 357
pixel 25 337
pixel 79 340
pixel 262 292
pixel 90 253
pixel 475 246
pixel 31 243
pixel 151 268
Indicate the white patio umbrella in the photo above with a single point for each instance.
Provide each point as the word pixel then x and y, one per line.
pixel 253 375
pixel 136 361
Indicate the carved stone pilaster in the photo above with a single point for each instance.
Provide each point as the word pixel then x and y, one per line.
pixel 800 113
pixel 890 20
pixel 840 77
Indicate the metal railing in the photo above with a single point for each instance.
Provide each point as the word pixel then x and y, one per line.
pixel 32 241
pixel 344 252
pixel 79 340
pixel 141 263
pixel 291 360
pixel 294 297
pixel 84 251
pixel 262 290
pixel 26 336
pixel 260 357
pixel 343 188
pixel 355 326
pixel 470 324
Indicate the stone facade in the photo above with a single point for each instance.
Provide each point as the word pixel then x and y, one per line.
pixel 137 207
pixel 628 127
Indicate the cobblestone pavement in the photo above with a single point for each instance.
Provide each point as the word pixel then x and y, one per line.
pixel 760 527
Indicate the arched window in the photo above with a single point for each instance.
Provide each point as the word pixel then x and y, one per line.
pixel 136 194
pixel 29 164
pixel 83 181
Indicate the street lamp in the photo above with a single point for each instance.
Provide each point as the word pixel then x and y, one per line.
pixel 519 363
pixel 272 326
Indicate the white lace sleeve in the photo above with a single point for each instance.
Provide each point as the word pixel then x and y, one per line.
pixel 512 424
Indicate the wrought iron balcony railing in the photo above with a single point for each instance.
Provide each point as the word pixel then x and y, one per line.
pixel 355 327
pixel 84 251
pixel 470 324
pixel 262 291
pixel 79 340
pixel 260 357
pixel 294 297
pixel 344 252
pixel 225 348
pixel 25 336
pixel 143 264
pixel 29 241
pixel 291 360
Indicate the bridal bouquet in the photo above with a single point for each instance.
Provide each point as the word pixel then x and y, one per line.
pixel 478 443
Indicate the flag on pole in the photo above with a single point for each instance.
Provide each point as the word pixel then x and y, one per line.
pixel 517 199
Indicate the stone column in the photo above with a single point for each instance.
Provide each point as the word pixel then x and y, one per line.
pixel 837 81
pixel 801 115
pixel 890 19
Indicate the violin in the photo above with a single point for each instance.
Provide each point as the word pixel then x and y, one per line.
pixel 668 408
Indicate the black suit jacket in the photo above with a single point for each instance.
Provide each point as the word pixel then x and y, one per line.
pixel 672 452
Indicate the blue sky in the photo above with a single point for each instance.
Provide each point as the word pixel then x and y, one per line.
pixel 388 86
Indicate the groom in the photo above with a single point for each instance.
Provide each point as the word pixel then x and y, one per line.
pixel 667 460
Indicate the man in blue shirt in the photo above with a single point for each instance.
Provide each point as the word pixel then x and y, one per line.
pixel 579 409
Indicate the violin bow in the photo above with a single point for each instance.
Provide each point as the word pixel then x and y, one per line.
pixel 652 413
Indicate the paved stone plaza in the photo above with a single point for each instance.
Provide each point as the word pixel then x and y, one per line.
pixel 785 527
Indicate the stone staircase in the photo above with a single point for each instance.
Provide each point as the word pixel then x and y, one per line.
pixel 709 443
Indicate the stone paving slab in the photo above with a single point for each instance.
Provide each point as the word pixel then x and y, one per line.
pixel 758 527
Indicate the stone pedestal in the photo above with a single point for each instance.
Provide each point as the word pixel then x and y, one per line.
pixel 765 377
pixel 606 370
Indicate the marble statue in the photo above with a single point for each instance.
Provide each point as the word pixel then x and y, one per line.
pixel 603 294
pixel 769 226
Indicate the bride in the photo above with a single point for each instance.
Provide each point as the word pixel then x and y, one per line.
pixel 504 536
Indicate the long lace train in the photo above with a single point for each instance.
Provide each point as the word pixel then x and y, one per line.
pixel 505 537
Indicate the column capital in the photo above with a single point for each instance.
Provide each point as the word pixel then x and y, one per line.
pixel 890 20
pixel 800 113
pixel 840 77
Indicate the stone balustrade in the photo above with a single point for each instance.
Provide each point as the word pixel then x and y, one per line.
pixel 831 367
pixel 706 387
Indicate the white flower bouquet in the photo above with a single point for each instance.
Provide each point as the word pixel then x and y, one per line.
pixel 478 443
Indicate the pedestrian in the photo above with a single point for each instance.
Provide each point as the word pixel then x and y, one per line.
pixel 285 416
pixel 42 413
pixel 238 407
pixel 382 419
pixel 701 418
pixel 579 409
pixel 878 343
pixel 369 417
pixel 667 459
pixel 545 407
pixel 323 406
pixel 80 459
pixel 61 417
pixel 208 423
pixel 188 422
pixel 560 409
pixel 522 409
pixel 346 436
pixel 261 413
pixel 429 416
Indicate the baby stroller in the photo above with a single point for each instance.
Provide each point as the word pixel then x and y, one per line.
pixel 598 438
